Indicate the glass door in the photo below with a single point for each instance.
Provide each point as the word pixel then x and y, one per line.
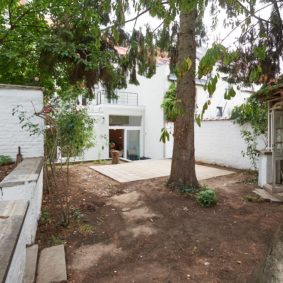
pixel 133 144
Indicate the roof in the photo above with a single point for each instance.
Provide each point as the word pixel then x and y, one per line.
pixel 270 91
pixel 161 59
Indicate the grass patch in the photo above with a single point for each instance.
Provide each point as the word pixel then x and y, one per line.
pixel 253 198
pixel 45 217
pixel 5 160
pixel 86 229
pixel 56 240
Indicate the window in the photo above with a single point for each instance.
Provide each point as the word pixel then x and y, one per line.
pixel 219 111
pixel 124 120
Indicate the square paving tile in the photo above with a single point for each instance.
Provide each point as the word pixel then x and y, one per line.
pixel 148 169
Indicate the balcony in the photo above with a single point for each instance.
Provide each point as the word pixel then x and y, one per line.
pixel 123 98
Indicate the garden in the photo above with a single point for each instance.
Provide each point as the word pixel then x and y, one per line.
pixel 144 230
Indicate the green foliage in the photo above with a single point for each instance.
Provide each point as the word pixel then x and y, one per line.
pixel 183 68
pixel 5 159
pixel 206 198
pixel 209 60
pixel 68 46
pixel 165 136
pixel 229 93
pixel 254 114
pixel 56 240
pixel 86 229
pixel 45 217
pixel 188 189
pixel 171 104
pixel 76 213
pixel 74 131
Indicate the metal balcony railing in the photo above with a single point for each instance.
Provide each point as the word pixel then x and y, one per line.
pixel 123 98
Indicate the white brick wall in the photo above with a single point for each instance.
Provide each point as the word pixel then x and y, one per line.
pixel 218 142
pixel 11 133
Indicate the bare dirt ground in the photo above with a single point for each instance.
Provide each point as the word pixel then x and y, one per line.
pixel 143 232
pixel 5 170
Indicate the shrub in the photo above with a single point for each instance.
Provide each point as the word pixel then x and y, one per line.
pixel 5 159
pixel 206 198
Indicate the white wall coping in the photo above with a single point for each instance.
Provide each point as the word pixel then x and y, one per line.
pixel 23 87
pixel 12 217
pixel 26 172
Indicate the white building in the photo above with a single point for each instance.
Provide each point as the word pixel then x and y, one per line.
pixel 133 122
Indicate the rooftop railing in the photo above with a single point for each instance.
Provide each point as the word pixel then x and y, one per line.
pixel 122 98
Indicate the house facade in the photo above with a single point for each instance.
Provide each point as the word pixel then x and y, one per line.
pixel 132 123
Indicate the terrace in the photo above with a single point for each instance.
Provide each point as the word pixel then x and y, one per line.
pixel 122 98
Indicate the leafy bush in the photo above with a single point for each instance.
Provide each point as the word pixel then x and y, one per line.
pixel 5 159
pixel 206 197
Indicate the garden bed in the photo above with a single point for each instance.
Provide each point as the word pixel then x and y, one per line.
pixel 143 232
pixel 5 170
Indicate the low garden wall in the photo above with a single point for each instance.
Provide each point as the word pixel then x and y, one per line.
pixel 29 100
pixel 218 142
pixel 20 199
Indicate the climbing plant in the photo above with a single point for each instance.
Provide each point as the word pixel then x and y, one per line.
pixel 252 117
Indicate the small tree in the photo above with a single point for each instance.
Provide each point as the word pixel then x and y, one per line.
pixel 66 128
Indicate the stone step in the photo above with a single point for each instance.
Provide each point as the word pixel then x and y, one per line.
pixel 267 195
pixel 52 265
pixel 31 264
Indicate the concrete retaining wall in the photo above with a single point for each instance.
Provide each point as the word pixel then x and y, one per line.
pixel 24 184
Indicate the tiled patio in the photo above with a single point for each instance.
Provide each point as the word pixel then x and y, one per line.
pixel 147 169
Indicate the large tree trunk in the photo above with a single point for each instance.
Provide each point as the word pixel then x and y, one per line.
pixel 183 160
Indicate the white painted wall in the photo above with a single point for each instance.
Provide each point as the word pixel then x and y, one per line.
pixel 151 92
pixel 13 188
pixel 218 142
pixel 11 133
pixel 265 168
pixel 218 100
pixel 31 192
pixel 16 270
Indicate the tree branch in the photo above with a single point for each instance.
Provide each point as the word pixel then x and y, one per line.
pixel 137 16
pixel 262 8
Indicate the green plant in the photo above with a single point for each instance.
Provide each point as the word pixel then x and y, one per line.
pixel 206 197
pixel 76 213
pixel 252 117
pixel 5 159
pixel 56 240
pixel 45 216
pixel 171 105
pixel 253 198
pixel 188 189
pixel 86 229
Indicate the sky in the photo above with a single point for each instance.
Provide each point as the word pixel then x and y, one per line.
pixel 217 34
